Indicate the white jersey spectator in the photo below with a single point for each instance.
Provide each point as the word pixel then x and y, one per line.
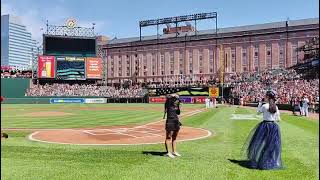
pixel 305 106
pixel 207 101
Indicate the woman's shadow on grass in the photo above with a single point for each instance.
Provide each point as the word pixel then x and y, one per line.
pixel 154 153
pixel 242 163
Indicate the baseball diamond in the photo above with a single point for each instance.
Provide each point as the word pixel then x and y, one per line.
pixel 138 91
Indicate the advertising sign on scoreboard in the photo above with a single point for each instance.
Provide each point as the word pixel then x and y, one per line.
pixel 46 67
pixel 93 68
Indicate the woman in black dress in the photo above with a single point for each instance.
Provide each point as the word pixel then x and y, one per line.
pixel 172 109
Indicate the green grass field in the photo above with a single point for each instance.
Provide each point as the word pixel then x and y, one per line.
pixel 201 159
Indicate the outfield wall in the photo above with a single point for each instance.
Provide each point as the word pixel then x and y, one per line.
pixel 74 100
pixel 14 87
pixel 184 99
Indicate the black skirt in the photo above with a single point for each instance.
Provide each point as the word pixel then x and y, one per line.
pixel 173 125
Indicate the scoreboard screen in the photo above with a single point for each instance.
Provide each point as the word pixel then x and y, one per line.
pixel 70 68
pixel 60 45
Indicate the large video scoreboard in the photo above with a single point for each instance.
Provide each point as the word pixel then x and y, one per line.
pixel 69 58
pixel 69 68
pixel 66 45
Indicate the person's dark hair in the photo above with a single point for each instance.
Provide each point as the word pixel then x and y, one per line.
pixel 169 101
pixel 272 101
pixel 172 101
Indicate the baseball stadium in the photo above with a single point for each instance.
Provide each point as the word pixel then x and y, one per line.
pixel 176 105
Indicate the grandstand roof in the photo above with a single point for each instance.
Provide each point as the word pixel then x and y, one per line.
pixel 222 30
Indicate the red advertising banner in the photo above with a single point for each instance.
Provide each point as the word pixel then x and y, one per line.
pixel 199 100
pixel 46 67
pixel 93 68
pixel 157 99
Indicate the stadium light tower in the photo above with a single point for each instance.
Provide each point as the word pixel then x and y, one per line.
pixel 177 19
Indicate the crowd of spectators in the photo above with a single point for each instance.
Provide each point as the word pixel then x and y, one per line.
pixel 85 90
pixel 250 87
pixel 288 84
pixel 15 74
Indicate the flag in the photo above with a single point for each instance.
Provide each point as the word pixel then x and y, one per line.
pixel 213 91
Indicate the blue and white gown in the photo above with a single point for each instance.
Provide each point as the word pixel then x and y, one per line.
pixel 263 149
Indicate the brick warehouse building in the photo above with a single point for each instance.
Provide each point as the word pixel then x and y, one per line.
pixel 199 56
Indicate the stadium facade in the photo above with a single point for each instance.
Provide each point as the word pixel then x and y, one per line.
pixel 17 46
pixel 202 55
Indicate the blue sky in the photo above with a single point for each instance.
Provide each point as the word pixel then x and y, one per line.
pixel 120 17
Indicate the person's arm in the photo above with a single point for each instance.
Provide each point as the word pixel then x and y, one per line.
pixel 165 110
pixel 278 115
pixel 260 108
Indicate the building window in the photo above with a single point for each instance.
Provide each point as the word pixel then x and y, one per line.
pixel 244 57
pixel 268 53
pixel 200 57
pixel 190 58
pixel 144 57
pixel 211 57
pixel 256 56
pixel 162 61
pixel 181 61
pixel 269 65
pixel 153 63
pixel 171 61
pixel 233 59
pixel 294 54
pixel 281 55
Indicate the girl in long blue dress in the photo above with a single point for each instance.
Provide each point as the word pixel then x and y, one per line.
pixel 264 146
